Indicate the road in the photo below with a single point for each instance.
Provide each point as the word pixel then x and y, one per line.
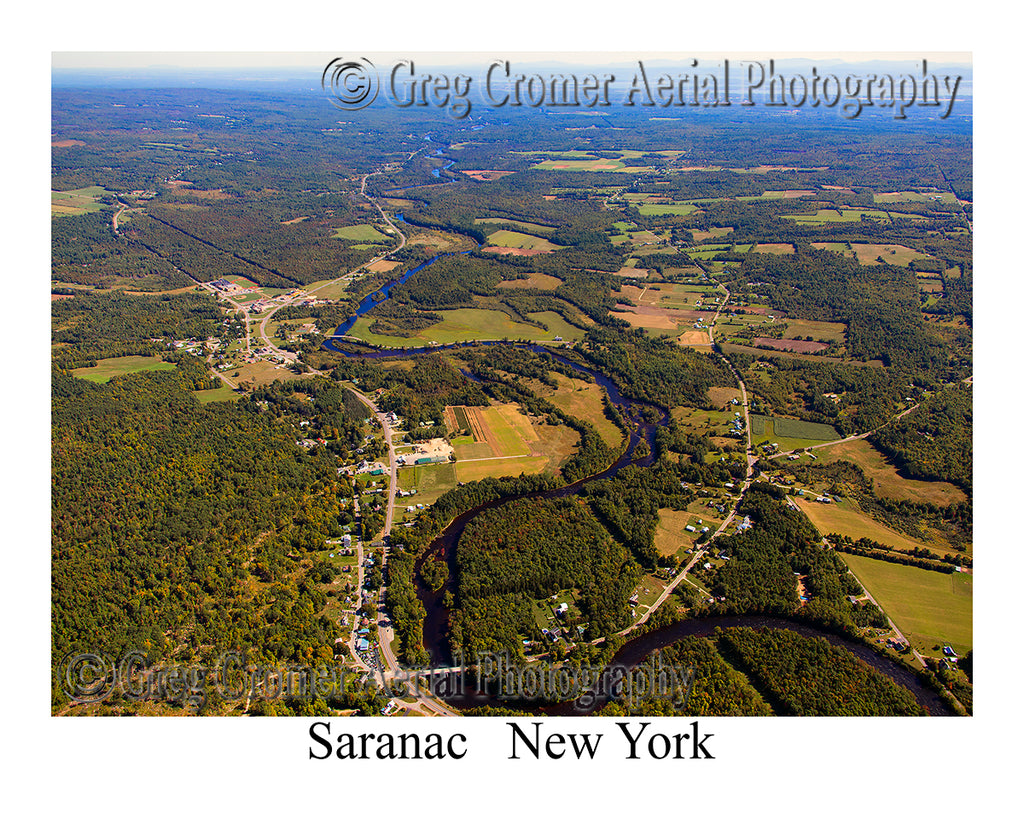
pixel 858 437
pixel 385 634
pixel 892 625
pixel 679 578
pixel 380 257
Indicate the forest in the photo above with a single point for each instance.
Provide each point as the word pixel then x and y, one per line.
pixel 183 528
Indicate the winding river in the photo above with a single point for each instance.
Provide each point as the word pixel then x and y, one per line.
pixel 435 625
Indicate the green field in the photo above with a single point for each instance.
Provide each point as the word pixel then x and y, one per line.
pixel 430 482
pixel 522 241
pixel 527 226
pixel 558 326
pixel 823 215
pixel 583 401
pixel 676 209
pixel 788 433
pixel 72 203
pixel 360 233
pixel 107 368
pixel 930 608
pixel 467 324
pixel 222 393
pixel 707 252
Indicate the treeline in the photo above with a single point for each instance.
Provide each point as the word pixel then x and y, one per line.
pixel 628 505
pixel 802 676
pixel 181 530
pixel 533 548
pixel 879 304
pixel 105 325
pixel 419 394
pixel 85 250
pixel 717 689
pixel 844 478
pixel 919 557
pixel 404 606
pixel 761 574
pixel 934 442
pixel 867 396
pixel 654 370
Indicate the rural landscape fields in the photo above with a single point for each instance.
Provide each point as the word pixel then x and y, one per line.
pixel 576 389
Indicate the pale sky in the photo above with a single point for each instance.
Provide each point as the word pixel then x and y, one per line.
pixel 113 60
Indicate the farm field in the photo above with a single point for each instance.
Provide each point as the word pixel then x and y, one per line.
pixel 695 338
pixel 778 248
pixel 107 368
pixel 713 422
pixel 503 441
pixel 791 345
pixel 222 393
pixel 81 200
pixel 846 519
pixel 887 481
pixel 584 161
pixel 328 288
pixel 818 330
pixel 519 241
pixel 708 252
pixel 527 226
pixel 360 233
pixel 710 233
pixel 538 281
pixel 788 433
pixel 930 608
pixel 584 401
pixel 430 481
pixel 758 351
pixel 262 373
pixel 670 536
pixel 893 254
pixel 558 327
pixel 464 324
pixel 945 197
pixel 674 209
pixel 792 194
pixel 823 215
pixel 383 266
pixel 667 294
pixel 719 396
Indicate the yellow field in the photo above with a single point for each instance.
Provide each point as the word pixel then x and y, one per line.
pixel 719 396
pixel 669 534
pixel 383 266
pixel 930 608
pixel 887 481
pixel 583 401
pixel 778 248
pixel 478 470
pixel 262 373
pixel 893 254
pixel 503 441
pixel 539 281
pixel 695 338
pixel 845 519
